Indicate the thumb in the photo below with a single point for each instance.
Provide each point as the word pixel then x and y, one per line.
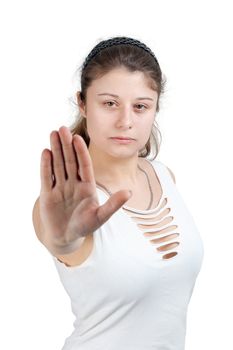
pixel 115 202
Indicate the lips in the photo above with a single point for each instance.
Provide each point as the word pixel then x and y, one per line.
pixel 122 138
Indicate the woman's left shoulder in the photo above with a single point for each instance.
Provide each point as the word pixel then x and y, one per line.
pixel 162 164
pixel 171 172
pixel 172 175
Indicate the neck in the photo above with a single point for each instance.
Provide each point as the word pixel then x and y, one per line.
pixel 113 170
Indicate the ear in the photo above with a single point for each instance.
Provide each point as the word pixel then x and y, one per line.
pixel 81 104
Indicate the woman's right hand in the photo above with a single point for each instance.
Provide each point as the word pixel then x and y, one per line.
pixel 68 202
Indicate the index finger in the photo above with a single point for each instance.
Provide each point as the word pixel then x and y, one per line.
pixel 84 159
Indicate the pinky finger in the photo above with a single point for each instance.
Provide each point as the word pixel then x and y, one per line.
pixel 46 175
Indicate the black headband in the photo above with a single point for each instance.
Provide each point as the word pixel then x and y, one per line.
pixel 116 41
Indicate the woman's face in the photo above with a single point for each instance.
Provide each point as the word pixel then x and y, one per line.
pixel 109 116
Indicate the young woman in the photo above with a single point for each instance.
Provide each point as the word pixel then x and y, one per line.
pixel 128 261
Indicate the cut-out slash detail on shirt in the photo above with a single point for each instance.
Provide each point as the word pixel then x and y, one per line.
pixel 157 225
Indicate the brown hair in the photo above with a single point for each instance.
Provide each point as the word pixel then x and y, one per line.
pixel 133 58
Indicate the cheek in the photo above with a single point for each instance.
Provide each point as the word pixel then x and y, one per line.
pixel 94 118
pixel 145 127
pixel 97 126
pixel 144 133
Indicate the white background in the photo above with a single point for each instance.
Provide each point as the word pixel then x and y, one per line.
pixel 42 44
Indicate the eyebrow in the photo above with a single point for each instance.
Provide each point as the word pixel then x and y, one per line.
pixel 138 98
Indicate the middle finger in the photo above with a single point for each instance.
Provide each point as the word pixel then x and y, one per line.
pixel 68 152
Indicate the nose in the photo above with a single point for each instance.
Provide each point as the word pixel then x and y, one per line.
pixel 125 119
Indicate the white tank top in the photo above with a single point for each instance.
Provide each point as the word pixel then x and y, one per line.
pixel 133 291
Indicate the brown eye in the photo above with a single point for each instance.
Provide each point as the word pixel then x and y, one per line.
pixel 142 106
pixel 106 103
